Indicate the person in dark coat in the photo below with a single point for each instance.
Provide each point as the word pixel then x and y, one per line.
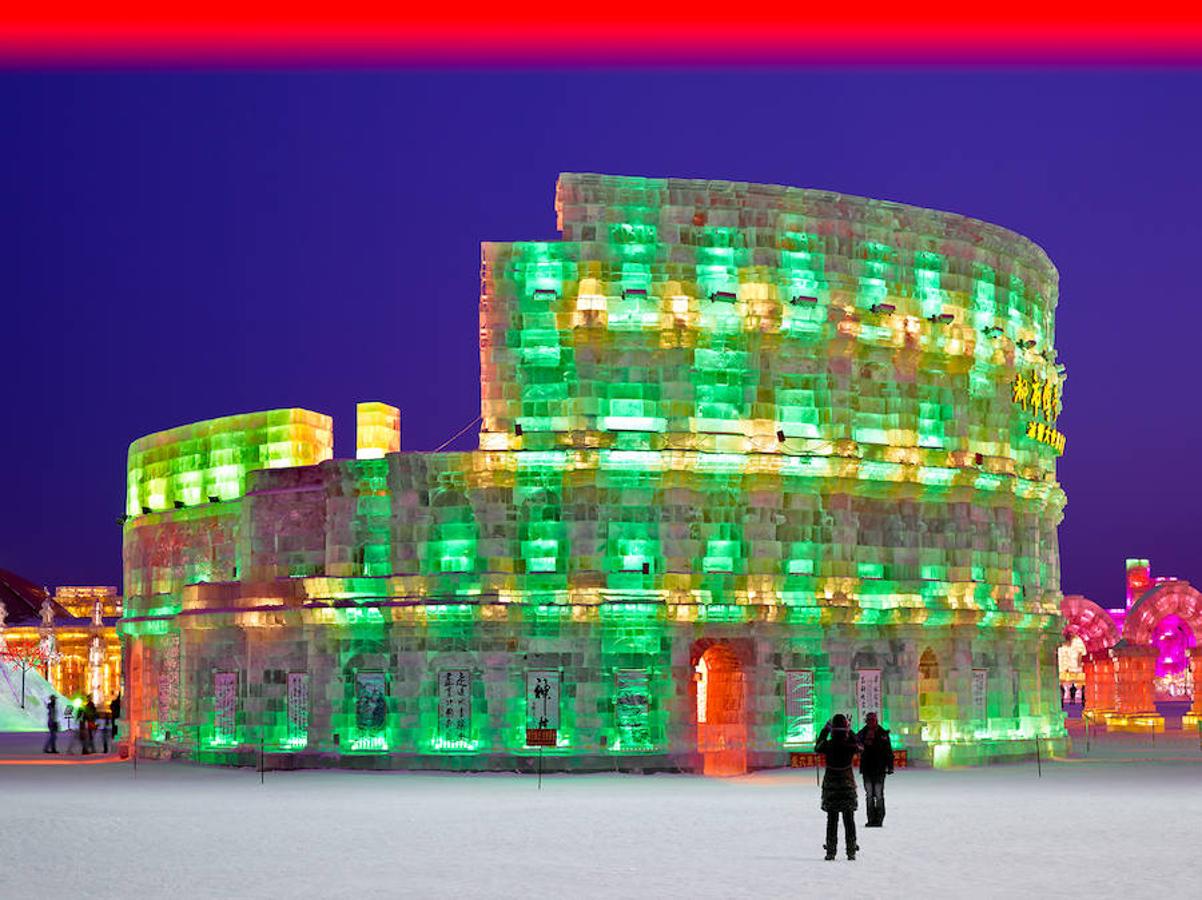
pixel 876 761
pixel 839 745
pixel 87 725
pixel 115 714
pixel 51 725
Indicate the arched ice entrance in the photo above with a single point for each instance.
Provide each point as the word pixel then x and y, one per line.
pixel 1089 627
pixel 1168 619
pixel 721 711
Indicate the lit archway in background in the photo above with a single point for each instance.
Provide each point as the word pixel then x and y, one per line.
pixel 1169 618
pixel 1093 625
pixel 1070 661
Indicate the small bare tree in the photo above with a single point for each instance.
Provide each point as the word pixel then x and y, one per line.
pixel 25 657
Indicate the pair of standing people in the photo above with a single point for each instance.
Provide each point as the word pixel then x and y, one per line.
pixel 840 797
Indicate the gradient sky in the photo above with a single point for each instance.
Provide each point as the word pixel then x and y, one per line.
pixel 178 245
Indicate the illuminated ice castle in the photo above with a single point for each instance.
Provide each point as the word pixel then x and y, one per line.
pixel 749 456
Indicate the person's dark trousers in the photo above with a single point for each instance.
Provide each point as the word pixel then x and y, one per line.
pixel 874 790
pixel 85 739
pixel 105 738
pixel 849 831
pixel 114 729
pixel 51 746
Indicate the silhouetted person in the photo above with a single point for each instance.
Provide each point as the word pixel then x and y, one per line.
pixel 839 794
pixel 87 725
pixel 51 725
pixel 1072 693
pixel 115 713
pixel 876 761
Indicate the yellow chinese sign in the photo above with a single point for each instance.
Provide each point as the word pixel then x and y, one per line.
pixel 1041 399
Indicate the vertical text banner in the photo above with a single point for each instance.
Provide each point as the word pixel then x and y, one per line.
pixel 868 692
pixel 225 707
pixel 980 693
pixel 455 705
pixel 542 699
pixel 298 707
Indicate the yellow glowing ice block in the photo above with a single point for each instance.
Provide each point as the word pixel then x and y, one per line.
pixel 378 430
pixel 208 461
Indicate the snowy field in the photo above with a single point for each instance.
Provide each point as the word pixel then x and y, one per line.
pixel 1121 823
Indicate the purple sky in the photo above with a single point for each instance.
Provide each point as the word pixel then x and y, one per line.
pixel 181 245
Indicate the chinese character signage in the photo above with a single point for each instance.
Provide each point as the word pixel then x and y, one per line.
pixel 980 691
pixel 804 760
pixel 298 707
pixel 542 699
pixel 455 705
pixel 868 692
pixel 370 706
pixel 542 737
pixel 632 710
pixel 225 707
pixel 1042 400
pixel 799 705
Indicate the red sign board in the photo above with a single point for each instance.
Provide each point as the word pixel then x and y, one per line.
pixel 541 737
pixel 810 760
pixel 804 760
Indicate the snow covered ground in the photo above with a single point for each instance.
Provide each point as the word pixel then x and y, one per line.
pixel 1121 823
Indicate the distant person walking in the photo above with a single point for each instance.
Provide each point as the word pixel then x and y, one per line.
pixel 51 745
pixel 840 796
pixel 1072 694
pixel 876 761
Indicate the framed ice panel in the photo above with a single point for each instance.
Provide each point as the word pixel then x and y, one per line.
pixel 980 694
pixel 542 698
pixel 225 707
pixel 298 709
pixel 455 706
pixel 370 706
pixel 799 706
pixel 632 710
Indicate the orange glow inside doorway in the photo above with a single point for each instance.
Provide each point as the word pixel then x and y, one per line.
pixel 721 712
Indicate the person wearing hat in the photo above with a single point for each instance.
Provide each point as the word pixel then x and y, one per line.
pixel 840 796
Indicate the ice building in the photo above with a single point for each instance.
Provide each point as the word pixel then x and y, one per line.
pixel 72 634
pixel 1128 663
pixel 748 456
